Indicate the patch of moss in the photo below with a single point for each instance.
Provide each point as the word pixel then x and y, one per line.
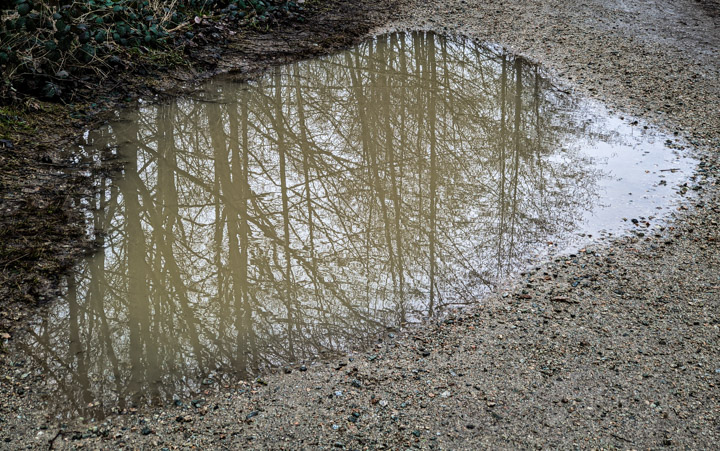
pixel 158 57
pixel 13 120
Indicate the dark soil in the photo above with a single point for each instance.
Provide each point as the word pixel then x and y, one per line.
pixel 711 7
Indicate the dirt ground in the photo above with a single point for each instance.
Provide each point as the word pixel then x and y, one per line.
pixel 628 358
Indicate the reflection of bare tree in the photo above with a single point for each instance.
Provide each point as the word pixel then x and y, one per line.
pixel 302 214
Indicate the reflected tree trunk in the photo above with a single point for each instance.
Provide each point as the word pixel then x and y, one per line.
pixel 517 136
pixel 431 120
pixel 308 160
pixel 97 293
pixel 503 157
pixel 77 353
pixel 137 311
pixel 285 212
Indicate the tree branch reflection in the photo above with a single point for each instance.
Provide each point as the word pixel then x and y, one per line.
pixel 303 213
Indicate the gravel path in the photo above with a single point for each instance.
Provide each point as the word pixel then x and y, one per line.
pixel 629 357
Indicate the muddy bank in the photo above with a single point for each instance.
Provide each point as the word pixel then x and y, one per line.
pixel 614 347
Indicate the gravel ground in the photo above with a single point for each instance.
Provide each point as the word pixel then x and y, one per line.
pixel 615 347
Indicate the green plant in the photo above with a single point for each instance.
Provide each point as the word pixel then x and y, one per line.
pixel 12 120
pixel 42 45
pixel 45 46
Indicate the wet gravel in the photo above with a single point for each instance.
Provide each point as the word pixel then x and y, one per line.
pixel 615 346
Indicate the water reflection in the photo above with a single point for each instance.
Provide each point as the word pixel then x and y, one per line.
pixel 303 213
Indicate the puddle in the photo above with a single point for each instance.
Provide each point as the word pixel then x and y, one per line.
pixel 304 213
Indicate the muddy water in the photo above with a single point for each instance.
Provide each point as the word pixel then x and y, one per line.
pixel 303 214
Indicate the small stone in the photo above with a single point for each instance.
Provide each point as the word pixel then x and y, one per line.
pixel 252 414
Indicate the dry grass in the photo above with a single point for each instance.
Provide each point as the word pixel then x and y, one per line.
pixel 163 9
